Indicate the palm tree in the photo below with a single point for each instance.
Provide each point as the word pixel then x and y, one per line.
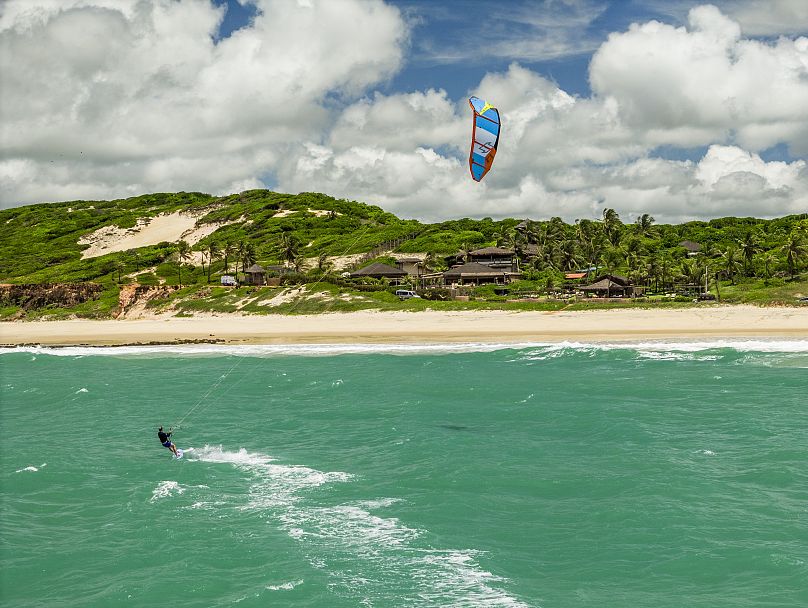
pixel 241 248
pixel 183 250
pixel 692 271
pixel 213 254
pixel 633 250
pixel 298 262
pixel 664 267
pixel 611 259
pixel 247 255
pixel 228 251
pixel 795 250
pixel 134 254
pixel 288 246
pixel 507 239
pixel 323 265
pixel 434 262
pixel 731 262
pixel 768 260
pixel 569 258
pixel 643 224
pixel 120 266
pixel 748 246
pixel 612 226
pixel 204 258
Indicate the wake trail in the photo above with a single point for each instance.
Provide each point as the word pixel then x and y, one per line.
pixel 340 539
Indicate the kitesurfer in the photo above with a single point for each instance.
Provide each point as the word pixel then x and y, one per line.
pixel 165 439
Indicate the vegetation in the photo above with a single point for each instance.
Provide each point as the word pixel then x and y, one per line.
pixel 740 259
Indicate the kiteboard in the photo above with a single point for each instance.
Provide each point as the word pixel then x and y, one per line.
pixel 180 452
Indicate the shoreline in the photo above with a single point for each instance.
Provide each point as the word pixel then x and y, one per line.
pixel 427 327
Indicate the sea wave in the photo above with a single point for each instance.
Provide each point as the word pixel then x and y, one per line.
pixel 774 345
pixel 351 533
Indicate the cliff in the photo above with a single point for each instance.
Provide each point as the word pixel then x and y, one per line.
pixel 38 295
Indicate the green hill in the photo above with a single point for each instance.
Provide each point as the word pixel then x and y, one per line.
pixel 754 259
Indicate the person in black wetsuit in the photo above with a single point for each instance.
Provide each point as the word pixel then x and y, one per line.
pixel 165 439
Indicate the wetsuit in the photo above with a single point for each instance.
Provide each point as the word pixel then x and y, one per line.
pixel 165 438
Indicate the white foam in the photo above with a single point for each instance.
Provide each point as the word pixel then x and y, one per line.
pixel 667 355
pixel 546 349
pixel 32 469
pixel 352 533
pixel 81 390
pixel 165 489
pixel 285 586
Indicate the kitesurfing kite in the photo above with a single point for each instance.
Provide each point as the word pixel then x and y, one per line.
pixel 484 137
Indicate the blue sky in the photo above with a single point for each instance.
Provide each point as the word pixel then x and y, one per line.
pixel 438 27
pixel 440 56
pixel 678 108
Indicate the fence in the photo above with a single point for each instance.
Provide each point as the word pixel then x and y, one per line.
pixel 383 248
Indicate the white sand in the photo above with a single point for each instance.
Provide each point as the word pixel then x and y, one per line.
pixel 170 227
pixel 461 326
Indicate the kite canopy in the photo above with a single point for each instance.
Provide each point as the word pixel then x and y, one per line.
pixel 484 137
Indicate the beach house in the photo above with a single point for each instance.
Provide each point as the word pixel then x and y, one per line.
pixel 377 270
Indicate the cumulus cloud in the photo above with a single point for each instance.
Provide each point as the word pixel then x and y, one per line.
pixel 136 96
pixel 769 17
pixel 110 99
pixel 698 85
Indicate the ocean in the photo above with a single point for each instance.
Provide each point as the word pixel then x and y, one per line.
pixel 659 475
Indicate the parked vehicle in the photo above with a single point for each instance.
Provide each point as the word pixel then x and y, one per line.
pixel 406 294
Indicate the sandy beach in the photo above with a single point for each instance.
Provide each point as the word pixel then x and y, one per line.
pixel 421 327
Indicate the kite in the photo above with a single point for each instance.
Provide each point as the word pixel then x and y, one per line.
pixel 484 137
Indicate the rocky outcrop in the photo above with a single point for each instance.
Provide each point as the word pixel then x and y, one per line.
pixel 31 296
pixel 133 298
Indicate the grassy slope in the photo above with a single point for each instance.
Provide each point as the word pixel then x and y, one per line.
pixel 39 243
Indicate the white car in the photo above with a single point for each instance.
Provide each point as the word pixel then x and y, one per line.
pixel 406 294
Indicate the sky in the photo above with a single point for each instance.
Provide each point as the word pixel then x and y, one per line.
pixel 681 109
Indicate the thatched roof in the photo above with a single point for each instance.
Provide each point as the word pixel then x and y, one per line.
pixel 615 278
pixel 605 285
pixel 690 246
pixel 491 251
pixel 471 270
pixel 254 269
pixel 377 269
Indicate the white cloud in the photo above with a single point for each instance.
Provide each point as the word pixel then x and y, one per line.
pixel 705 84
pixel 769 17
pixel 137 96
pixel 108 99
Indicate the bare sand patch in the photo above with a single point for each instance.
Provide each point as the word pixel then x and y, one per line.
pixel 285 296
pixel 170 227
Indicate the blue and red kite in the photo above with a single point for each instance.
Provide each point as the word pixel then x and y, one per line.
pixel 484 137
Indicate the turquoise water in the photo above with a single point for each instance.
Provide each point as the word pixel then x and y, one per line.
pixel 659 475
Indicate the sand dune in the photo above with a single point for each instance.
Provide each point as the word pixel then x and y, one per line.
pixel 171 227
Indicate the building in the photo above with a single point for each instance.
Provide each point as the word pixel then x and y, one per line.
pixel 377 270
pixel 411 265
pixel 495 257
pixel 610 286
pixel 693 249
pixel 474 273
pixel 255 275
